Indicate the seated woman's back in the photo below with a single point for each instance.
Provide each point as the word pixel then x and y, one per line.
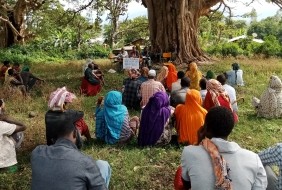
pixel 154 127
pixel 190 117
pixel 112 123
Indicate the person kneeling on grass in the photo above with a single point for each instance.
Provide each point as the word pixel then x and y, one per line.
pixel 10 138
pixel 91 83
pixel 113 124
pixel 62 166
pixel 217 163
pixel 57 112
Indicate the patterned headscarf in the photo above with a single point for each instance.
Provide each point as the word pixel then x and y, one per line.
pixel 220 167
pixel 59 97
pixel 163 74
pixel 270 102
pixel 133 73
pixel 216 89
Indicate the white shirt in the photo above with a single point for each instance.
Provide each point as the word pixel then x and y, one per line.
pixel 123 55
pixel 232 80
pixel 246 169
pixel 203 94
pixel 232 95
pixel 7 145
pixel 176 85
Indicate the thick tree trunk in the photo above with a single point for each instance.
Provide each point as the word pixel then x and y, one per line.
pixel 174 24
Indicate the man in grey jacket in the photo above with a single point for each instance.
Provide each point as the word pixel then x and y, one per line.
pixel 62 166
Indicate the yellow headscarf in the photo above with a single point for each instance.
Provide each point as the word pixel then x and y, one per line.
pixel 195 76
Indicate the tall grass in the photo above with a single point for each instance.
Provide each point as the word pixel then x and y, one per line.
pixel 133 167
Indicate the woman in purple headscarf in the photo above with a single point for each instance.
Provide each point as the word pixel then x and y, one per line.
pixel 154 128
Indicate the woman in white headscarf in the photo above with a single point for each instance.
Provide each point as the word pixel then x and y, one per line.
pixel 270 103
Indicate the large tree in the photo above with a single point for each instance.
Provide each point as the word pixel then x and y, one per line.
pixel 174 24
pixel 12 20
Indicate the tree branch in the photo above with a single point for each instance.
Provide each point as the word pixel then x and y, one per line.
pixel 11 26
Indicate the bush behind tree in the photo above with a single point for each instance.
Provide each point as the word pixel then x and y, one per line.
pixel 38 53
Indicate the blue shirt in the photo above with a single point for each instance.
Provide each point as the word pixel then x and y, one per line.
pixel 62 166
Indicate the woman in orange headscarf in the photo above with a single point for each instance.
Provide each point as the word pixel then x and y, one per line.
pixel 171 76
pixel 195 76
pixel 190 117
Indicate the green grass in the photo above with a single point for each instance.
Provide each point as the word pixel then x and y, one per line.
pixel 133 167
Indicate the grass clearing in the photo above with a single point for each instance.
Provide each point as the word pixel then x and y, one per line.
pixel 133 167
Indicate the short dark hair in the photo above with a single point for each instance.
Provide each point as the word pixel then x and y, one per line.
pixel 221 78
pixel 203 84
pixel 11 72
pixel 180 74
pixel 6 62
pixel 185 82
pixel 16 64
pixel 219 122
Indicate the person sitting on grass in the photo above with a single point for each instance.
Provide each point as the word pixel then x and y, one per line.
pixel 150 87
pixel 57 112
pixel 203 86
pixel 194 75
pixel 91 84
pixel 189 118
pixel 235 76
pixel 16 67
pixel 12 84
pixel 179 96
pixel 272 157
pixel 131 96
pixel 28 78
pixel 154 126
pixel 217 163
pixel 176 85
pixel 3 70
pixel 217 96
pixel 62 166
pixel 171 75
pixel 11 137
pixel 270 103
pixel 210 75
pixel 144 74
pixel 230 91
pixel 113 124
pixel 162 76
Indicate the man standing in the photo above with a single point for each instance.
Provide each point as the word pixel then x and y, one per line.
pixel 62 166
pixel 220 164
pixel 150 87
pixel 273 157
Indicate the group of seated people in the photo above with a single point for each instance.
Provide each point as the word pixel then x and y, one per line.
pixel 15 79
pixel 167 100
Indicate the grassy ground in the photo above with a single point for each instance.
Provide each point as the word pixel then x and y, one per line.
pixel 133 167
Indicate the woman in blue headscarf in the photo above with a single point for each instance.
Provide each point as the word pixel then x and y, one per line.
pixel 154 128
pixel 112 120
